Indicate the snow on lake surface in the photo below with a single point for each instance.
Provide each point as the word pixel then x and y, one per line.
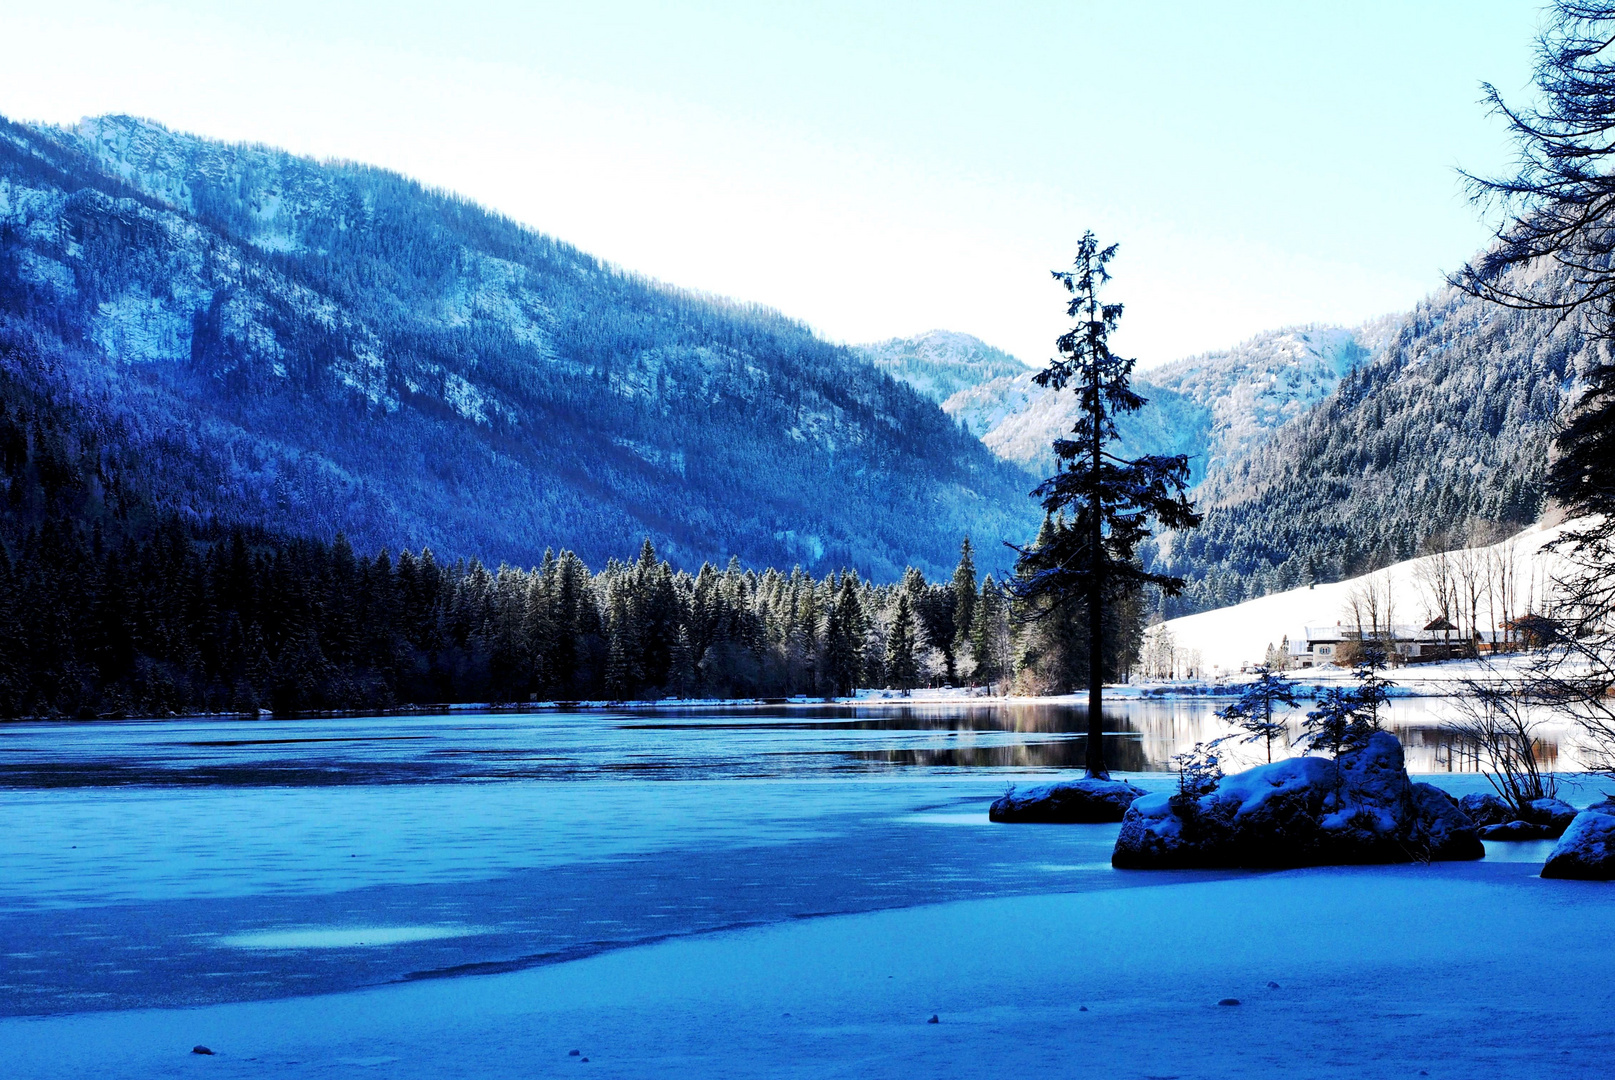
pixel 325 892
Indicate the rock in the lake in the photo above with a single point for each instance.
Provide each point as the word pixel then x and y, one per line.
pixel 1586 851
pixel 1519 830
pixel 201 1050
pixel 1449 834
pixel 1484 808
pixel 1075 802
pixel 1556 814
pixel 1538 819
pixel 1308 811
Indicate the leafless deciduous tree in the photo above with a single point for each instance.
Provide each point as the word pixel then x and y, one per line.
pixel 1469 569
pixel 1371 610
pixel 1502 591
pixel 1158 657
pixel 1498 727
pixel 1437 580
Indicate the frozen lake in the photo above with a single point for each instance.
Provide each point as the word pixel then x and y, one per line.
pixel 185 862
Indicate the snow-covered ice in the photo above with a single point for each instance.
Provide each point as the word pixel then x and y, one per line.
pixel 1388 972
pixel 751 892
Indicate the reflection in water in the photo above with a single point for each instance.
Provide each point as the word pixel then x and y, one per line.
pixel 692 743
pixel 1140 735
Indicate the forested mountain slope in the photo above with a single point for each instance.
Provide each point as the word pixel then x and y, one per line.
pixel 320 347
pixel 1259 385
pixel 1444 434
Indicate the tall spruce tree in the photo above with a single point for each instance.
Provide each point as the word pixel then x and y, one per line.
pixel 964 609
pixel 902 665
pixel 1109 501
pixel 989 634
pixel 844 633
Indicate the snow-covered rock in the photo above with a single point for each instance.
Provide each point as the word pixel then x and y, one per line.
pixel 1306 811
pixel 1586 851
pixel 1555 814
pixel 1448 834
pixel 1538 819
pixel 1076 802
pixel 1484 808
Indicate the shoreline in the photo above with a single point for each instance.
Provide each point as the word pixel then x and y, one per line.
pixel 1443 680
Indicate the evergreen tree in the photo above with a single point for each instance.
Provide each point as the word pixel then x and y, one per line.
pixel 964 613
pixel 619 662
pixel 989 634
pixel 1560 215
pixel 845 629
pixel 1253 712
pixel 902 664
pixel 1344 718
pixel 682 677
pixel 1111 500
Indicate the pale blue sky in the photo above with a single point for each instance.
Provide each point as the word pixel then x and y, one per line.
pixel 874 169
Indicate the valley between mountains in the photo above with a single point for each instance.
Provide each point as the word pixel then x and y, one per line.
pixel 249 337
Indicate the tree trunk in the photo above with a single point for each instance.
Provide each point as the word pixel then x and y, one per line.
pixel 1096 603
pixel 1096 687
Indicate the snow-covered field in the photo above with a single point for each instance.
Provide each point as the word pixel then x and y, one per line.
pixel 1228 638
pixel 771 892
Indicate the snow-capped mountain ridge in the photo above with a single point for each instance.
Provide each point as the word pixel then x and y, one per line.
pixel 1216 407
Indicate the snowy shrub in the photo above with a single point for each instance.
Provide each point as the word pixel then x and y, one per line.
pixel 1346 717
pixel 1199 771
pixel 1253 713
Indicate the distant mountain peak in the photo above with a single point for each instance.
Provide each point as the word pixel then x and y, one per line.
pixel 940 363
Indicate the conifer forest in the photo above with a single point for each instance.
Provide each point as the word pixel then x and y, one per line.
pixel 109 608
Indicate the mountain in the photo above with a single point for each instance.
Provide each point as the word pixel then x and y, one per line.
pixel 1216 408
pixel 1319 452
pixel 940 364
pixel 321 347
pixel 1258 386
pixel 1441 436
